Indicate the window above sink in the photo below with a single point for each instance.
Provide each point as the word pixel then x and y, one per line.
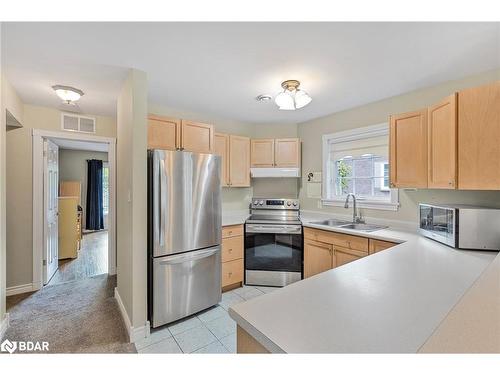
pixel 357 161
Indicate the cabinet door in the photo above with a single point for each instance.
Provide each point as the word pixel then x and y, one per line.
pixel 442 144
pixel 378 245
pixel 343 256
pixel 318 257
pixel 408 150
pixel 197 137
pixel 479 138
pixel 262 153
pixel 221 148
pixel 163 133
pixel 287 152
pixel 239 161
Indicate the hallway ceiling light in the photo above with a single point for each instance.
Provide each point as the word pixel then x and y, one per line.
pixel 68 94
pixel 292 97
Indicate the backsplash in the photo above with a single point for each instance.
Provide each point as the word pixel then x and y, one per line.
pixel 276 187
pixel 236 199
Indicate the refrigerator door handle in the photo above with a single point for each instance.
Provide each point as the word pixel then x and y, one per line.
pixel 163 202
pixel 156 191
pixel 194 255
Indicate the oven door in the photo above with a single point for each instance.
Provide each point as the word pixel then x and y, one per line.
pixel 273 254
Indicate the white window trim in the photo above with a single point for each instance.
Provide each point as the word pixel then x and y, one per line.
pixel 106 165
pixel 353 135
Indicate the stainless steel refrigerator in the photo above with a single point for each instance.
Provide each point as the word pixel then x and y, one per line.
pixel 184 242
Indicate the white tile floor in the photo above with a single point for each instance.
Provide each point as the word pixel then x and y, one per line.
pixel 211 331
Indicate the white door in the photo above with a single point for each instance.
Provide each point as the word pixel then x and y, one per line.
pixel 50 208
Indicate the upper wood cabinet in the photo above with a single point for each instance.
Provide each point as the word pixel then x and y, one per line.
pixel 197 136
pixel 239 161
pixel 318 257
pixel 221 148
pixel 163 133
pixel 235 159
pixel 281 153
pixel 262 153
pixel 173 134
pixel 479 138
pixel 287 152
pixel 408 150
pixel 442 144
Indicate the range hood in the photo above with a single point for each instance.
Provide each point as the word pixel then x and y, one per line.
pixel 274 172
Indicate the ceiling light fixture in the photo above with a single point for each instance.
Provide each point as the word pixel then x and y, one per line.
pixel 68 94
pixel 292 97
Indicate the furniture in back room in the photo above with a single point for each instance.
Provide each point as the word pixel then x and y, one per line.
pixel 71 189
pixel 69 227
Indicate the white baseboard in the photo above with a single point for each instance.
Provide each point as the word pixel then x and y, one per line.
pixel 134 333
pixel 18 289
pixel 4 324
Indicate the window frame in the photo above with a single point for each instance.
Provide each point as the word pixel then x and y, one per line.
pixel 104 211
pixel 347 136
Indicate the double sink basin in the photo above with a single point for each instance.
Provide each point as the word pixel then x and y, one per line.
pixel 349 225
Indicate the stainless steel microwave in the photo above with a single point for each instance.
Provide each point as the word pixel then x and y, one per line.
pixel 461 226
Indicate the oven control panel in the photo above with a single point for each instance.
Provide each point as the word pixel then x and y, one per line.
pixel 275 203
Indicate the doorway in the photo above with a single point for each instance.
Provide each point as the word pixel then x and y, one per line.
pixel 79 187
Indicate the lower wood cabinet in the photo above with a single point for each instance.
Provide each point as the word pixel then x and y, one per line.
pixel 344 256
pixel 232 256
pixel 378 245
pixel 324 250
pixel 318 257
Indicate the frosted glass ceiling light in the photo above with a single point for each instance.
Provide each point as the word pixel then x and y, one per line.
pixel 292 97
pixel 68 94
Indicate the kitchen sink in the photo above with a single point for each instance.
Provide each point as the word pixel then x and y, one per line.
pixel 331 222
pixel 349 225
pixel 363 227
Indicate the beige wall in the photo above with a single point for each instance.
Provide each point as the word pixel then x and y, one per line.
pixel 12 102
pixel 73 167
pixel 19 186
pixel 374 113
pixel 132 197
pixel 2 192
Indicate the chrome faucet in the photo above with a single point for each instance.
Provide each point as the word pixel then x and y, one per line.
pixel 355 217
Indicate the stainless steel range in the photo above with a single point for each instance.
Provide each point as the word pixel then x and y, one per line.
pixel 273 242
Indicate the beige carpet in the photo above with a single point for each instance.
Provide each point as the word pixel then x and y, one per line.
pixel 78 316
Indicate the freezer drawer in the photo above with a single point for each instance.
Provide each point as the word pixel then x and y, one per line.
pixel 184 284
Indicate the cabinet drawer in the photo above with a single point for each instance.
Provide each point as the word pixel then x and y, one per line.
pixel 339 239
pixel 379 245
pixel 232 231
pixel 232 248
pixel 232 272
pixel 344 255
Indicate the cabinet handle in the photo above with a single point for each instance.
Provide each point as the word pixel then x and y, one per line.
pixel 230 232
pixel 230 250
pixel 230 274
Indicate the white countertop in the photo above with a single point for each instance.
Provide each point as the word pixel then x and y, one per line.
pixel 234 217
pixel 389 302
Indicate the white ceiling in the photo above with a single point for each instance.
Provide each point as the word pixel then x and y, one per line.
pixel 69 144
pixel 219 68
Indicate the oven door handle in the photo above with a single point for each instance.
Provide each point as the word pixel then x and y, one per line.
pixel 293 229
